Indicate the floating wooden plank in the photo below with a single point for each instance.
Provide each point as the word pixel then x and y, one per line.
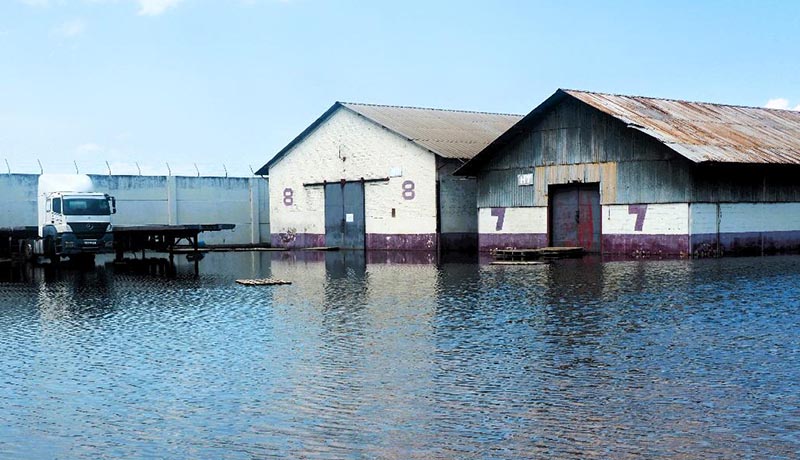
pixel 538 253
pixel 189 250
pixel 263 282
pixel 561 252
pixel 248 249
pixel 517 262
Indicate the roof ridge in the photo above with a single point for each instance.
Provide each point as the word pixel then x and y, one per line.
pixel 479 112
pixel 632 96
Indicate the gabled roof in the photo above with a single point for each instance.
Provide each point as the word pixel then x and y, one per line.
pixel 447 133
pixel 701 132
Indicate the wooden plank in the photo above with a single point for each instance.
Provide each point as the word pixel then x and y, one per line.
pixel 262 282
pixel 247 249
pixel 226 248
pixel 189 250
pixel 527 254
pixel 517 262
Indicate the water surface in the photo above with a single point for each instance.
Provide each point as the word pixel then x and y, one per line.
pixel 401 358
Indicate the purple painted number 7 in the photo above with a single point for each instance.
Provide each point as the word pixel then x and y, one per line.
pixel 500 213
pixel 640 210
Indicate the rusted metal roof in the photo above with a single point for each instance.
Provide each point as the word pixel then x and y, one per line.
pixel 704 132
pixel 447 133
pixel 701 132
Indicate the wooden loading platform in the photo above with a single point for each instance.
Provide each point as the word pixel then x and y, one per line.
pixel 525 255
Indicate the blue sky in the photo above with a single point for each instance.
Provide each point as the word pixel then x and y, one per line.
pixel 231 82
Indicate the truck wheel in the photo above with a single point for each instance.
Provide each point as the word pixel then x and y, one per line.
pixel 27 251
pixel 50 250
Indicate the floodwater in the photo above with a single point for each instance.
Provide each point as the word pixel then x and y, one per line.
pixel 403 359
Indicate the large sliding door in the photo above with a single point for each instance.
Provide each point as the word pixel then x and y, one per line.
pixel 575 216
pixel 344 215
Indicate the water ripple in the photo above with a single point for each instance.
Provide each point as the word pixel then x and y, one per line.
pixel 576 359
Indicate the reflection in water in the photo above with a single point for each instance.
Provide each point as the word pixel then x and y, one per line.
pixel 396 357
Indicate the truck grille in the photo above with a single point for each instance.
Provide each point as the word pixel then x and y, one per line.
pixel 91 230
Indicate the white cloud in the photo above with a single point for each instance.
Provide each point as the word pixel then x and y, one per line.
pixel 777 103
pixel 156 7
pixel 70 29
pixel 781 103
pixel 145 7
pixel 35 2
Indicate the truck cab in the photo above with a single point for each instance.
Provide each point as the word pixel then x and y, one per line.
pixel 75 223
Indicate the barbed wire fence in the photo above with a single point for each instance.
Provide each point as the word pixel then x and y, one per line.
pixel 126 168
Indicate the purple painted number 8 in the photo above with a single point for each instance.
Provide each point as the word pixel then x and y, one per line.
pixel 408 190
pixel 288 197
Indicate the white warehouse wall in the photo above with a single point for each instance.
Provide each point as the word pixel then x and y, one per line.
pixel 745 228
pixel 348 146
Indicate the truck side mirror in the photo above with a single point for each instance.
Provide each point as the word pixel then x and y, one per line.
pixel 113 205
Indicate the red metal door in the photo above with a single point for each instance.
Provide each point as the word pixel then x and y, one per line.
pixel 575 216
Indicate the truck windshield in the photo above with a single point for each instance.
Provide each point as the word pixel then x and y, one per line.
pixel 86 207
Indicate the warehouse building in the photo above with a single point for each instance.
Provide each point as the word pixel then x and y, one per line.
pixel 380 177
pixel 637 176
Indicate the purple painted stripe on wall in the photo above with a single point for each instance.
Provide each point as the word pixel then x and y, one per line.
pixel 642 244
pixel 490 241
pixel 749 242
pixel 296 240
pixel 408 242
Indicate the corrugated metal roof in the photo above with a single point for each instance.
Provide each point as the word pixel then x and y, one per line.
pixel 704 132
pixel 447 133
pixel 701 132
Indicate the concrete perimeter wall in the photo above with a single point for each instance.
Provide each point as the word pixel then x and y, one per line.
pixel 161 200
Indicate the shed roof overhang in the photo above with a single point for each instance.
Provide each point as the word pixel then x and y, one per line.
pixel 703 133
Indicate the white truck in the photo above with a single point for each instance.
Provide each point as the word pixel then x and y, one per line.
pixel 75 224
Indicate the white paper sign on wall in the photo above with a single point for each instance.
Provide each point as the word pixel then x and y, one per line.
pixel 349 217
pixel 525 179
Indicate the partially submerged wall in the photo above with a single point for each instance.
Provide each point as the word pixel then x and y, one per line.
pixel 744 228
pixel 400 211
pixel 652 201
pixel 458 217
pixel 161 200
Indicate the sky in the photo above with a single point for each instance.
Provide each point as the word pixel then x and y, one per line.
pixel 220 86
